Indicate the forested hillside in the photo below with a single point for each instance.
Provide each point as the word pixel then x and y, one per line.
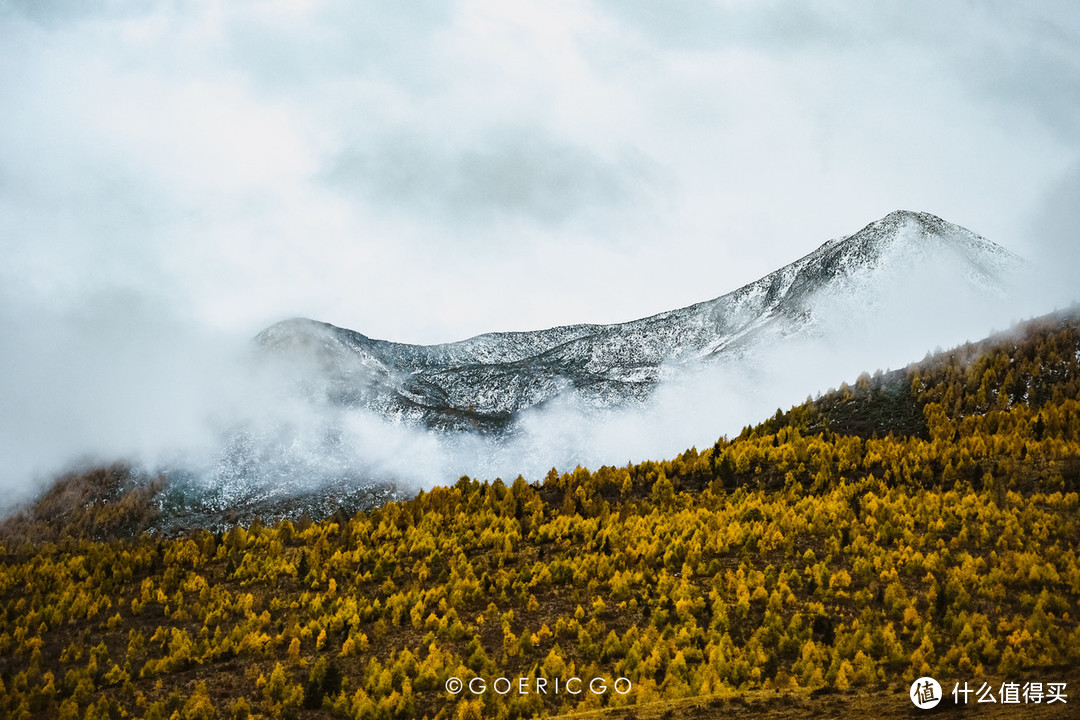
pixel 919 522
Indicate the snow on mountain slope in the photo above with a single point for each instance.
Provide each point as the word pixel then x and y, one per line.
pixel 484 382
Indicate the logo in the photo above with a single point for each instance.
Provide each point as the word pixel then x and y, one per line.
pixel 527 685
pixel 925 693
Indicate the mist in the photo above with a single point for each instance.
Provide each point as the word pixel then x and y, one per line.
pixel 913 315
pixel 176 177
pixel 118 378
pixel 124 379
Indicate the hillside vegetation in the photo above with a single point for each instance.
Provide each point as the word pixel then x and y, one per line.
pixel 921 522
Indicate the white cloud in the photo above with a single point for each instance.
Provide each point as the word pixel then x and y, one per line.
pixel 497 166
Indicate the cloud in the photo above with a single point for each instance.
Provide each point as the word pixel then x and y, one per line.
pixel 259 160
pixel 705 25
pixel 55 14
pixel 512 174
pixel 1024 62
pixel 1054 239
pixel 426 172
pixel 119 378
pixel 291 48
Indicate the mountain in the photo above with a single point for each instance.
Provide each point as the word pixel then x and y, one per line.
pixel 483 383
pixel 811 567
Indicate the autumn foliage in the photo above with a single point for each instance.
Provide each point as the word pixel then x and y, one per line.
pixel 918 522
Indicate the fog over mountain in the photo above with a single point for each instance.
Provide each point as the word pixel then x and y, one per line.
pixel 340 414
pixel 177 178
pixel 482 383
pixel 311 416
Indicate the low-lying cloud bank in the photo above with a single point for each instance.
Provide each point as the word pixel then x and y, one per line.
pixel 121 380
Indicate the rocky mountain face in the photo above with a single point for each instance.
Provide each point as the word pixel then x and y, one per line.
pixel 481 384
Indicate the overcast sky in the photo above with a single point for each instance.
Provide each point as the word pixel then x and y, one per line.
pixel 428 171
pixel 175 176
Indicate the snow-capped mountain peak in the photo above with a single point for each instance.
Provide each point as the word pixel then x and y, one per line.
pixel 484 381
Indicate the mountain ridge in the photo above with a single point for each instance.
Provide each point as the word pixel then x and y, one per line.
pixel 484 381
pixel 878 553
pixel 122 501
